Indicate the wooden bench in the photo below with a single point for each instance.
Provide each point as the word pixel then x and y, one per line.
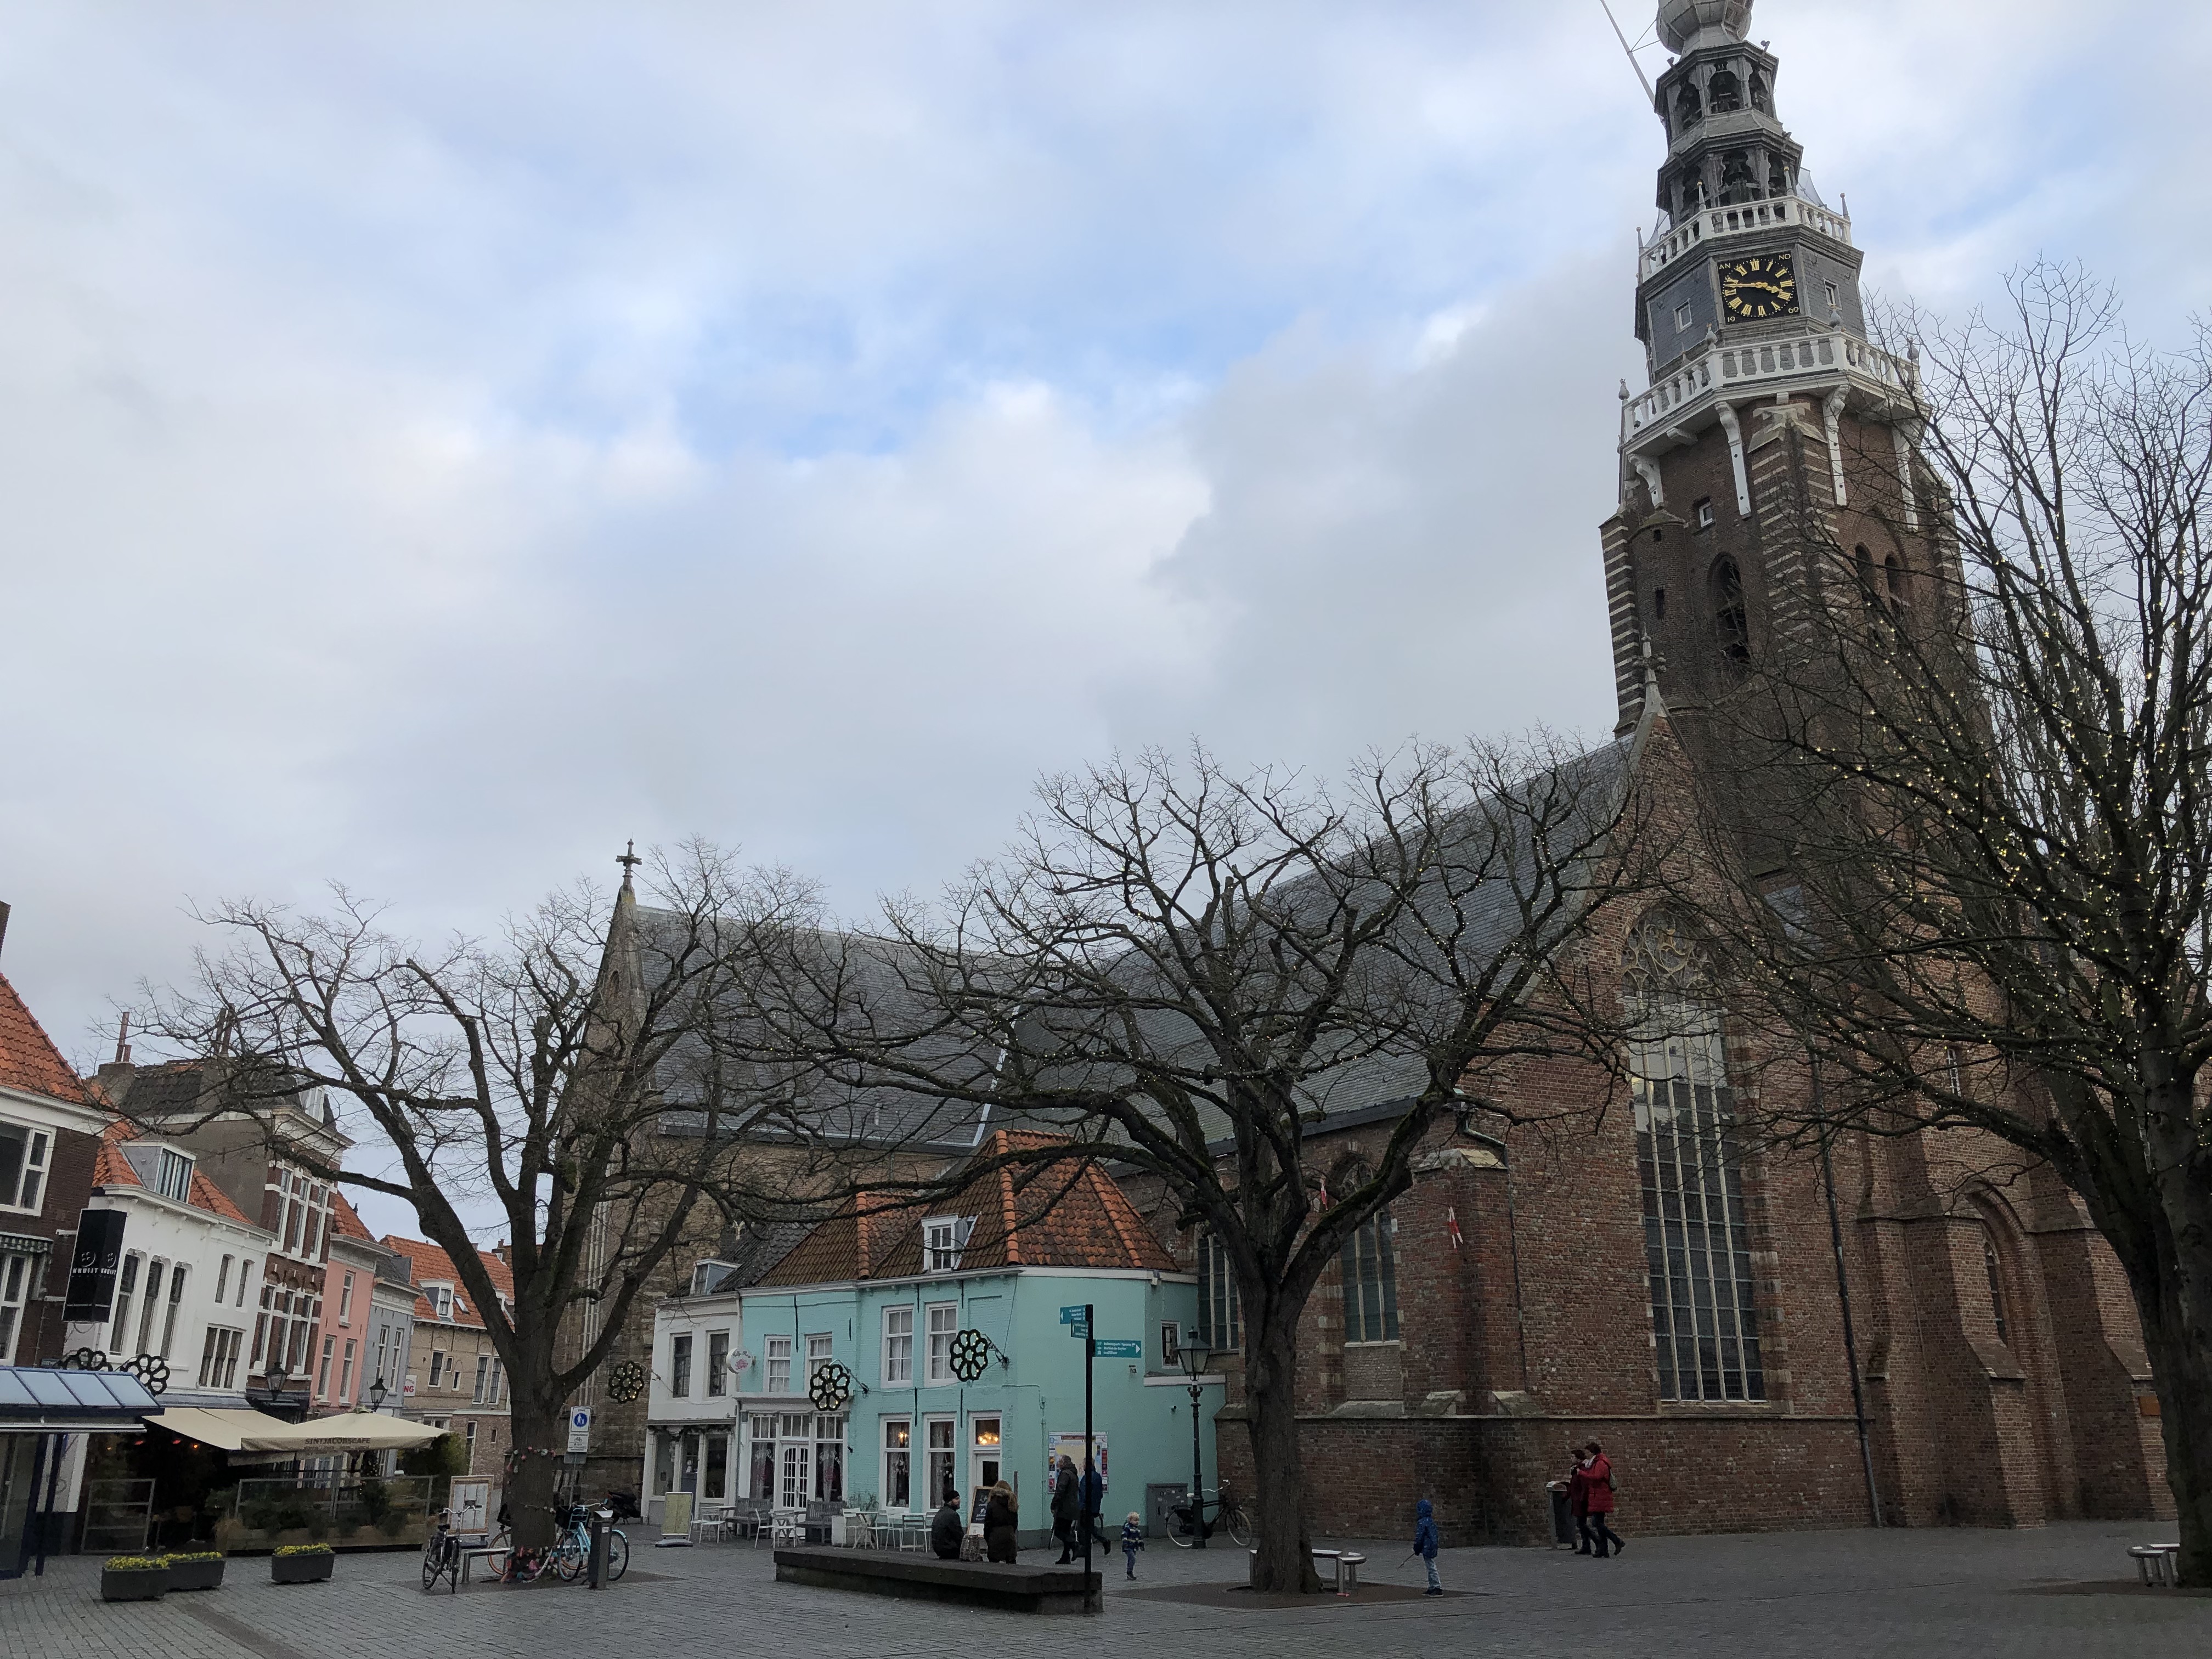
pixel 1013 1589
pixel 2157 1564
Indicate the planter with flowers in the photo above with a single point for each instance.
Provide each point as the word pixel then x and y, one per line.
pixel 196 1569
pixel 301 1563
pixel 134 1578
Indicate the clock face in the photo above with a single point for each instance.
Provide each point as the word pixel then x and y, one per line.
pixel 1761 286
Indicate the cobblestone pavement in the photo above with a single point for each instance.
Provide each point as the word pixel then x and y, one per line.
pixel 2064 1589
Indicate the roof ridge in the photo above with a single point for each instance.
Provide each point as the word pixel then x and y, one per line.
pixel 35 1073
pixel 1107 1190
pixel 1012 1224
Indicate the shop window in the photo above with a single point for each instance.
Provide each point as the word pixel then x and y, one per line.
pixel 896 1481
pixel 760 1438
pixel 942 1457
pixel 718 1465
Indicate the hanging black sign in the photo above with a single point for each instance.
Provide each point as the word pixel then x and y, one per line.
pixel 92 1269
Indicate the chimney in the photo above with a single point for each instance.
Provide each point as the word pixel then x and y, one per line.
pixel 4 924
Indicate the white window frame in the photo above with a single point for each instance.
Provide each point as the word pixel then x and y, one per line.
pixel 941 1331
pixel 345 1371
pixel 219 1353
pixel 680 1365
pixel 483 1377
pixel 940 1442
pixel 30 1178
pixel 776 1351
pixel 126 1290
pixel 178 1272
pixel 819 1354
pixel 944 1242
pixel 899 1347
pixel 172 1176
pixel 895 1455
pixel 17 1274
pixel 718 1364
pixel 345 1299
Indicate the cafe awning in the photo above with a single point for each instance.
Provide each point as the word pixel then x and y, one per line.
pixel 258 1431
pixel 40 1400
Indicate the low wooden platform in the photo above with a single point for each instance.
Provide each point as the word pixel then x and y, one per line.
pixel 1015 1589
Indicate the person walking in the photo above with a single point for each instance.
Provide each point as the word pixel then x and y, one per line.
pixel 1001 1517
pixel 1579 1498
pixel 946 1528
pixel 1065 1502
pixel 1426 1543
pixel 1133 1540
pixel 1597 1479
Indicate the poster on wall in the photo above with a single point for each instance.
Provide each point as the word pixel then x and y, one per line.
pixel 1068 1442
pixel 472 1506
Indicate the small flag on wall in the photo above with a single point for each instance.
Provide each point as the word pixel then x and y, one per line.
pixel 1451 1226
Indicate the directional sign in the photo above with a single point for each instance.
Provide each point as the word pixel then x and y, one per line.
pixel 1076 1315
pixel 1110 1347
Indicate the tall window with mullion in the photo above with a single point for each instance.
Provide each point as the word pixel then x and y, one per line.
pixel 1704 1324
pixel 1220 1312
pixel 1371 1281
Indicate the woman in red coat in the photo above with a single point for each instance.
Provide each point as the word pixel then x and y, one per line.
pixel 1579 1499
pixel 1596 1476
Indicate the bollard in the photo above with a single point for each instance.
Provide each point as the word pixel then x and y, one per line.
pixel 597 1579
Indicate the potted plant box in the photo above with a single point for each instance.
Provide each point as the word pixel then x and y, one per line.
pixel 301 1563
pixel 196 1569
pixel 134 1578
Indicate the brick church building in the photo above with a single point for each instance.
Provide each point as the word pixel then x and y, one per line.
pixel 1920 1330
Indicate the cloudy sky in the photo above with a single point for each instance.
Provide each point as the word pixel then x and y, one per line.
pixel 439 442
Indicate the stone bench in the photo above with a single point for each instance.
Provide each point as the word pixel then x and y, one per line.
pixel 2159 1564
pixel 1015 1589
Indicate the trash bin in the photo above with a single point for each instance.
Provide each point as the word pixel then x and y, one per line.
pixel 1563 1523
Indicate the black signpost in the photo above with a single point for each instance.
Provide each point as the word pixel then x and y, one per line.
pixel 1090 1454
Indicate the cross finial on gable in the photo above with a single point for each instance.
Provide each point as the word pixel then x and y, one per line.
pixel 630 861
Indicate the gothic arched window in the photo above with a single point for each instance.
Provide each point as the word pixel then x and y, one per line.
pixel 1731 620
pixel 1862 566
pixel 1697 1245
pixel 1723 93
pixel 1893 581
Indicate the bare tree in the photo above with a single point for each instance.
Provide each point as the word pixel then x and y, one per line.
pixel 1981 777
pixel 1182 969
pixel 528 1077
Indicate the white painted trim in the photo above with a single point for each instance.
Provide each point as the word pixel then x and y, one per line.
pixel 776 1293
pixel 1176 1380
pixel 1729 424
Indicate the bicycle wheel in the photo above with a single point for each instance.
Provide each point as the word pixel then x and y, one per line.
pixel 617 1553
pixel 434 1560
pixel 1181 1533
pixel 1239 1529
pixel 567 1559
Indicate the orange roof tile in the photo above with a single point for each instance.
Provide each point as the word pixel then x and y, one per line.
pixel 1061 1212
pixel 109 1168
pixel 28 1059
pixel 428 1264
pixel 206 1195
pixel 345 1220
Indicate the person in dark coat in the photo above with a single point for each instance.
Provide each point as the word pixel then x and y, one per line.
pixel 1001 1517
pixel 1094 1503
pixel 946 1528
pixel 1426 1543
pixel 1597 1480
pixel 1064 1508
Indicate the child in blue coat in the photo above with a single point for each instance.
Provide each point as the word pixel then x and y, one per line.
pixel 1426 1544
pixel 1133 1540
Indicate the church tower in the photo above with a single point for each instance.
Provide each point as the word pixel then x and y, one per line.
pixel 1767 463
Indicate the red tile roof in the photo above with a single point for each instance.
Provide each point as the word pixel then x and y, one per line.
pixel 1064 1212
pixel 111 1168
pixel 28 1059
pixel 345 1220
pixel 428 1264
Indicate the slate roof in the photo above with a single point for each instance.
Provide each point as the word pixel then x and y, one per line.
pixel 29 1060
pixel 1056 1213
pixel 874 972
pixel 1377 1081
pixel 427 1263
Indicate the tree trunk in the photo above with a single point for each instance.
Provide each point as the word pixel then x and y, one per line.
pixel 540 1430
pixel 2175 1302
pixel 1278 1504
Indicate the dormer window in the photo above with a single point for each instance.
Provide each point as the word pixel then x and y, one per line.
pixel 943 1240
pixel 173 1177
pixel 441 1301
pixel 708 1278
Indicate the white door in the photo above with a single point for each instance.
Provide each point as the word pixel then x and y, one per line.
pixel 797 1486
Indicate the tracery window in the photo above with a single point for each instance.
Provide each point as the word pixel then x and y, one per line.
pixel 1705 1325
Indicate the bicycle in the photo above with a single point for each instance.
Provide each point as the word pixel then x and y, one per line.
pixel 1229 1516
pixel 441 1556
pixel 571 1554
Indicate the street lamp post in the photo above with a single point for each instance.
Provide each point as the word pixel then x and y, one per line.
pixel 377 1390
pixel 1193 1355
